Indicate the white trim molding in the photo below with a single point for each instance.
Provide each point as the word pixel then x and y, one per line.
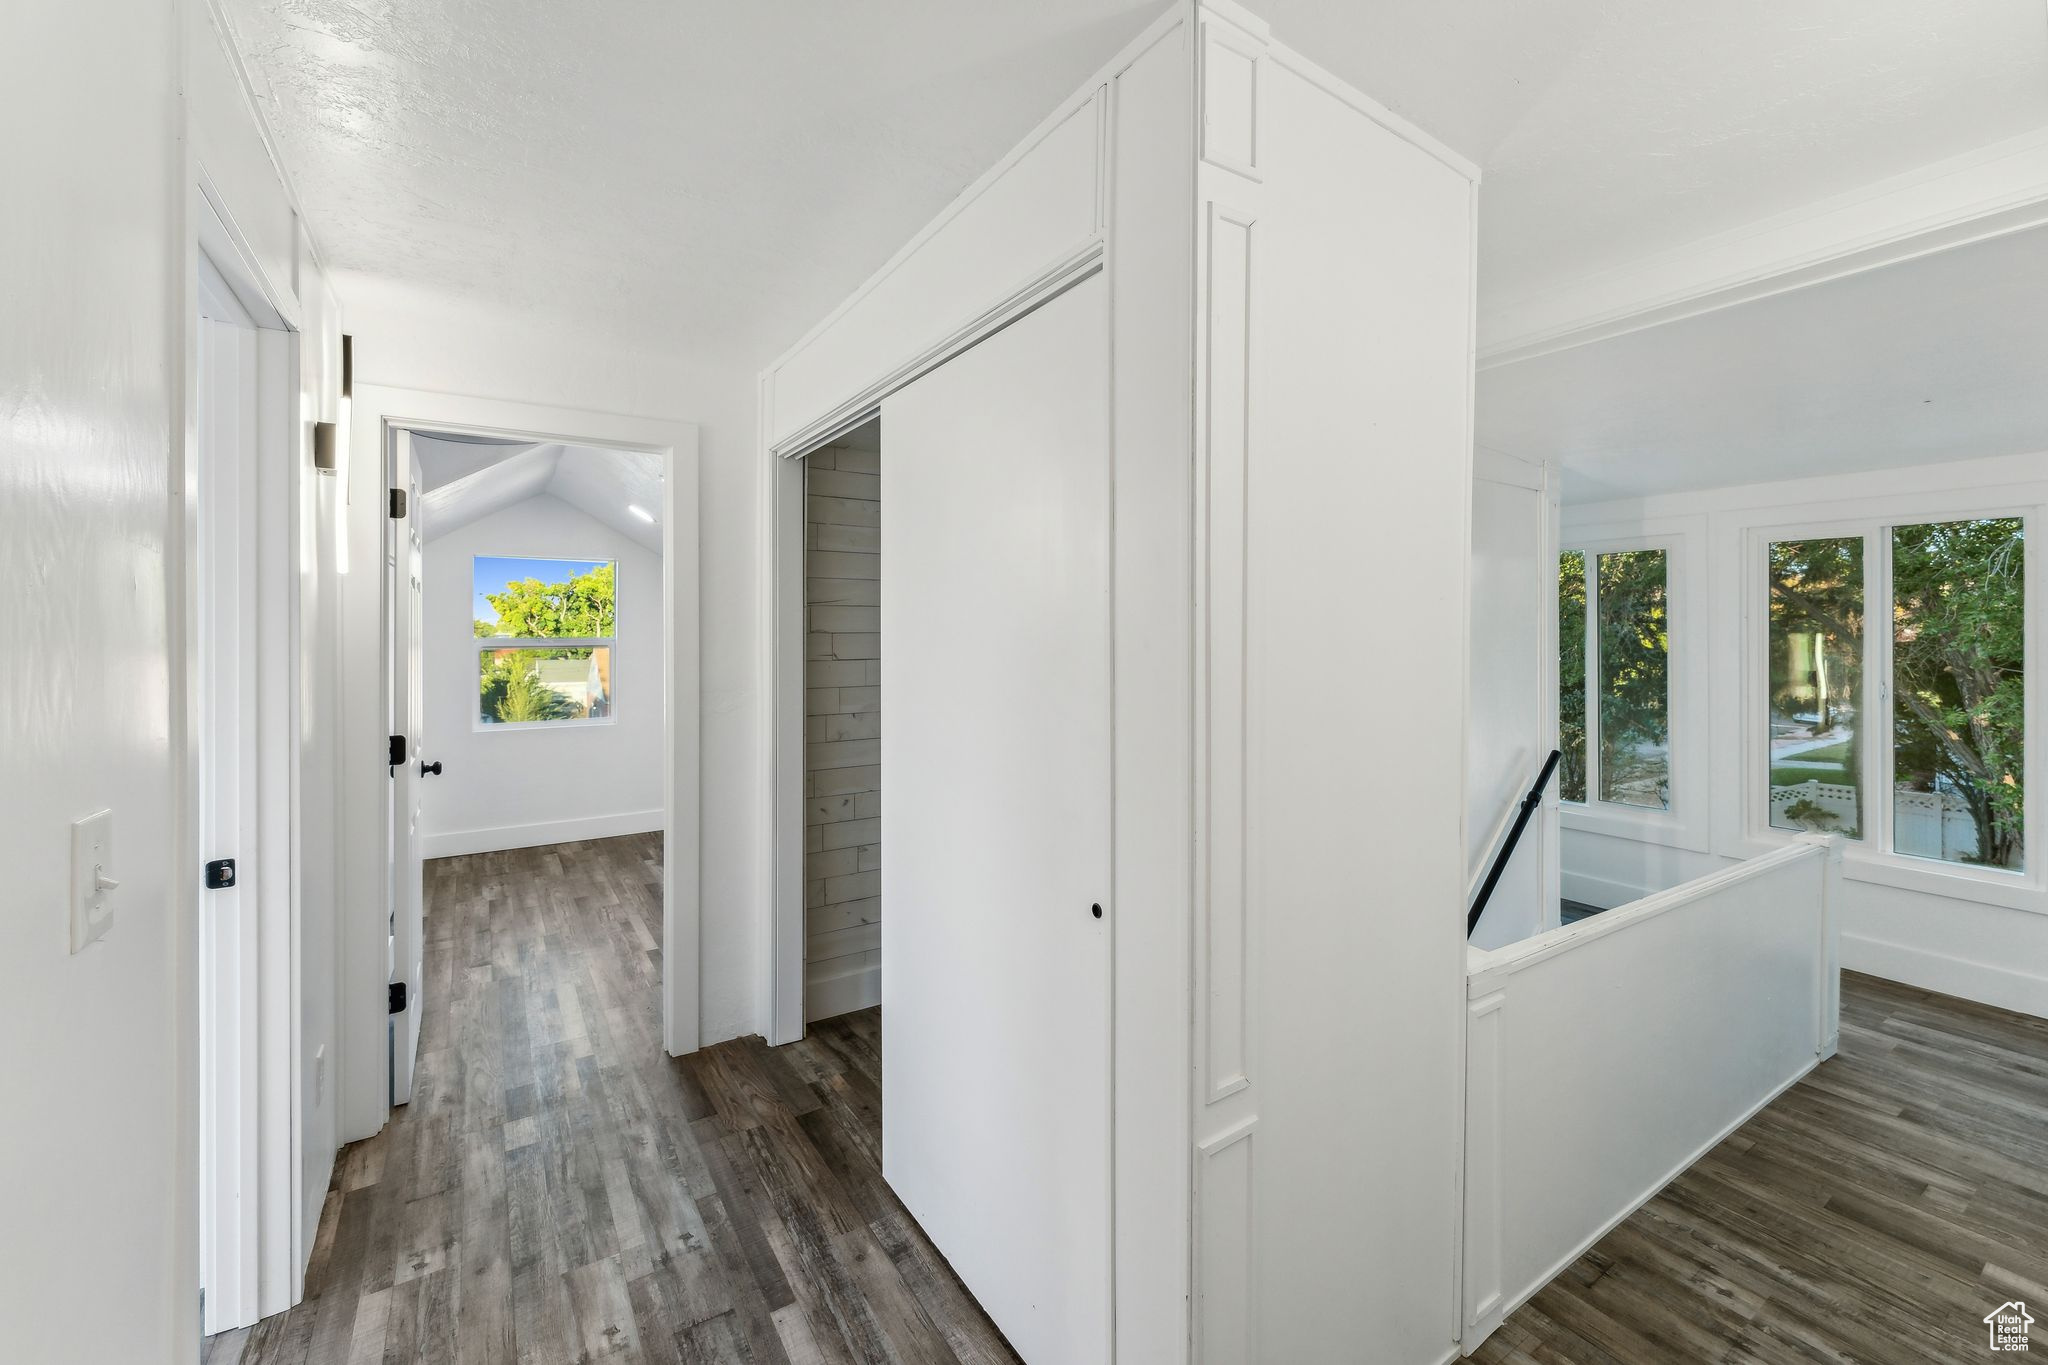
pixel 843 991
pixel 456 842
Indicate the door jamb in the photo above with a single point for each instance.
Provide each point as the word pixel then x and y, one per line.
pixel 378 410
pixel 781 568
pixel 266 1096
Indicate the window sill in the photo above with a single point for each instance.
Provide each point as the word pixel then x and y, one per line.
pixel 1985 886
pixel 528 726
pixel 1925 876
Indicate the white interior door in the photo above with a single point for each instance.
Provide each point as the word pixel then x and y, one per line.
pixel 408 907
pixel 229 949
pixel 996 798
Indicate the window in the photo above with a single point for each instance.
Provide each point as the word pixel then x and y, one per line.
pixel 1634 679
pixel 546 629
pixel 1571 675
pixel 1816 684
pixel 1958 691
pixel 1953 670
pixel 1614 678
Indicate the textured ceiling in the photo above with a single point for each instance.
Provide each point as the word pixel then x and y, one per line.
pixel 1937 358
pixel 704 177
pixel 463 480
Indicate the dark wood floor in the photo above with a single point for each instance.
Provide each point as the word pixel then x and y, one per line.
pixel 1873 1213
pixel 561 1193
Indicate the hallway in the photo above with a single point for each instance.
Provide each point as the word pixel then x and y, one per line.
pixel 560 1191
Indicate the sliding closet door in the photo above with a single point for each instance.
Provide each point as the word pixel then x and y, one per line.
pixel 996 806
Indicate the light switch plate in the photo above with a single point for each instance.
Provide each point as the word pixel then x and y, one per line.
pixel 92 863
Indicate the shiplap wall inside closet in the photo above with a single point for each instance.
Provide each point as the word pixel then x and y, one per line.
pixel 842 731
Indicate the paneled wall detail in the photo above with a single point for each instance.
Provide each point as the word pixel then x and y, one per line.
pixel 1227 946
pixel 1484 1150
pixel 1231 62
pixel 1226 1098
pixel 1225 1198
pixel 842 730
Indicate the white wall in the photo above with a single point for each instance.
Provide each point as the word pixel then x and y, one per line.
pixel 1985 938
pixel 1357 382
pixel 506 787
pixel 93 1161
pixel 1513 720
pixel 98 277
pixel 415 338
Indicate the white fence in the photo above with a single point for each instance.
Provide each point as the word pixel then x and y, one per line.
pixel 1924 824
pixel 1605 1057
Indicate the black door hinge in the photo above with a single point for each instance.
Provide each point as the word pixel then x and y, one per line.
pixel 397 504
pixel 397 997
pixel 220 874
pixel 395 754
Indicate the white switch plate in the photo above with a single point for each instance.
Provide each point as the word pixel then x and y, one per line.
pixel 92 860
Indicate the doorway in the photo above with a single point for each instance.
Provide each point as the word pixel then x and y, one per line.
pixel 241 622
pixel 507 730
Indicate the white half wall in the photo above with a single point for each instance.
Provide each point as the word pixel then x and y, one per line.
pixel 515 787
pixel 1607 1056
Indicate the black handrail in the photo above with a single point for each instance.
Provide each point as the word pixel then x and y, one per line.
pixel 1507 848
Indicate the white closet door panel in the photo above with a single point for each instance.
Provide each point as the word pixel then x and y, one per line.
pixel 996 802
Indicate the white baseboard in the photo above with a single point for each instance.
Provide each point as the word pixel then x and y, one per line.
pixel 842 992
pixel 452 843
pixel 1600 891
pixel 2021 992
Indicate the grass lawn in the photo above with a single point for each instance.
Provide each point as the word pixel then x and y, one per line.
pixel 1835 753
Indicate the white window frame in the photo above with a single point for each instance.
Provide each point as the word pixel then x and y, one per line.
pixel 1685 824
pixel 484 643
pixel 1872 859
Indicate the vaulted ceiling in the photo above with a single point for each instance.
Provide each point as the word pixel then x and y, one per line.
pixel 464 479
pixel 689 176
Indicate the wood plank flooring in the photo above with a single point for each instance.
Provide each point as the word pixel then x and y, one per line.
pixel 1873 1213
pixel 559 1192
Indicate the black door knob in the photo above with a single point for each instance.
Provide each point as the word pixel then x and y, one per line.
pixel 430 769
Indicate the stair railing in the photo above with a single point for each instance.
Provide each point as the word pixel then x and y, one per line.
pixel 1507 845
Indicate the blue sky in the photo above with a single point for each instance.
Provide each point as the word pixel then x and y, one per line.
pixel 492 573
